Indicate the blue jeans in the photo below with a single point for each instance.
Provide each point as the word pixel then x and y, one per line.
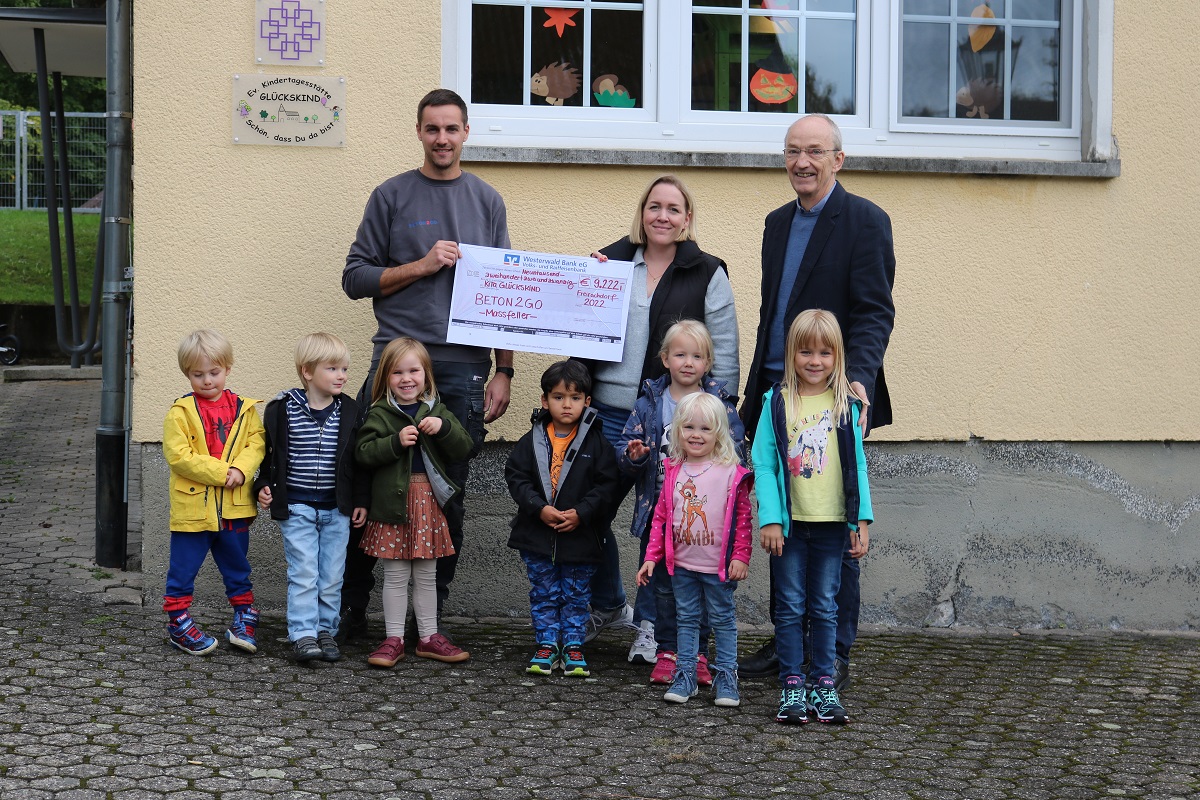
pixel 558 599
pixel 608 591
pixel 665 619
pixel 696 592
pixel 461 388
pixel 806 578
pixel 849 602
pixel 314 543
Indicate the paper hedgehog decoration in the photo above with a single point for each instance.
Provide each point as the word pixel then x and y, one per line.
pixel 556 82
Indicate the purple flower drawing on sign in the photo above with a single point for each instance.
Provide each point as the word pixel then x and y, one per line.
pixel 290 30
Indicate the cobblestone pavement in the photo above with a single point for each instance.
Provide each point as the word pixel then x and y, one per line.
pixel 97 705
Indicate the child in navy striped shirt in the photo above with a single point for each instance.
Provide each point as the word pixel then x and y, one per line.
pixel 308 482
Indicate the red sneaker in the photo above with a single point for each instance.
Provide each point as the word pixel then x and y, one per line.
pixel 664 668
pixel 703 676
pixel 388 653
pixel 439 648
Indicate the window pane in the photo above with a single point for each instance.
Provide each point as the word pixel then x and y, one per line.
pixel 496 54
pixel 1036 9
pixel 774 58
pixel 925 86
pixel 1036 72
pixel 830 5
pixel 829 66
pixel 617 59
pixel 718 4
pixel 980 92
pixel 965 7
pixel 716 62
pixel 557 56
pixel 939 7
pixel 788 5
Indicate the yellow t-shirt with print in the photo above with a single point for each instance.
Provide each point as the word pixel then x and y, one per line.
pixel 813 463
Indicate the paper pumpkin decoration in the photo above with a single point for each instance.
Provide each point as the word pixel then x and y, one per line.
pixel 773 87
pixel 980 35
pixel 556 82
pixel 609 93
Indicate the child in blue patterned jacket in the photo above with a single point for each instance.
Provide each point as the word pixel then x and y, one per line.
pixel 687 353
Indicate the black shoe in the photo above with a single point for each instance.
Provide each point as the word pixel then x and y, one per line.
pixel 353 625
pixel 841 674
pixel 763 663
pixel 329 648
pixel 306 649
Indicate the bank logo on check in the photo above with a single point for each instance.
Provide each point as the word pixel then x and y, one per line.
pixel 512 260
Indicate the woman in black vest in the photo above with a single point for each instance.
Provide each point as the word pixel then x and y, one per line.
pixel 673 279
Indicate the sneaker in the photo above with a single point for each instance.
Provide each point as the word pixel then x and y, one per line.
pixel 544 660
pixel 620 617
pixel 792 707
pixel 823 701
pixel 664 668
pixel 644 647
pixel 727 689
pixel 187 636
pixel 763 663
pixel 683 687
pixel 572 661
pixel 703 676
pixel 241 630
pixel 439 648
pixel 329 647
pixel 387 654
pixel 306 649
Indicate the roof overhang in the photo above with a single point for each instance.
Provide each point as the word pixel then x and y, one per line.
pixel 75 40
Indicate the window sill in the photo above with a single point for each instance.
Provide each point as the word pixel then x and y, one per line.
pixel 655 158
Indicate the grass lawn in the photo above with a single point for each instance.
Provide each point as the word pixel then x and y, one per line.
pixel 25 256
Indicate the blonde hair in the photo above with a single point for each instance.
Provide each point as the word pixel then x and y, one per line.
pixel 637 233
pixel 818 327
pixel 706 409
pixel 204 343
pixel 319 348
pixel 396 350
pixel 694 328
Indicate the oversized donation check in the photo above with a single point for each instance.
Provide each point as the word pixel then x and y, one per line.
pixel 539 303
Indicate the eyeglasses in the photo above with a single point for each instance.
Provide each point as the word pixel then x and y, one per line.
pixel 791 154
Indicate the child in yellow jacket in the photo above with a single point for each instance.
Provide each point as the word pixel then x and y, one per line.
pixel 213 442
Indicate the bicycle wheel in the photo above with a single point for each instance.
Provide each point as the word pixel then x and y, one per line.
pixel 10 350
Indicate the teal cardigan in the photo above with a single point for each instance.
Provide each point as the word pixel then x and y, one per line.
pixel 769 454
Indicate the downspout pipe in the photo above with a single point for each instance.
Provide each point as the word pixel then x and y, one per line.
pixel 112 434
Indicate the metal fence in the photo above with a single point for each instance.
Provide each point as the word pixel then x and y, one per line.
pixel 22 175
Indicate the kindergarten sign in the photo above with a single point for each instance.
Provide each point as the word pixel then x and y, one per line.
pixel 287 110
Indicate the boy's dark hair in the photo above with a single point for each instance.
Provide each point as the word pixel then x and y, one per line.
pixel 442 97
pixel 573 375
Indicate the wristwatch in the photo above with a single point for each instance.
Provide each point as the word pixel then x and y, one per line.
pixel 505 371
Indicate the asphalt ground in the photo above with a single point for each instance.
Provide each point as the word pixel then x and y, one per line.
pixel 96 704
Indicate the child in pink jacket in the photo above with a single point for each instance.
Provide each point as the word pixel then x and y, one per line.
pixel 701 527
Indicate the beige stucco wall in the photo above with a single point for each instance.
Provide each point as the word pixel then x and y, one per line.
pixel 1028 308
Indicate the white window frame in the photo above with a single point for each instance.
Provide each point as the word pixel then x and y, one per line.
pixel 665 123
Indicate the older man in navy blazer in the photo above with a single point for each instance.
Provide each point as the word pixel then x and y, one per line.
pixel 833 250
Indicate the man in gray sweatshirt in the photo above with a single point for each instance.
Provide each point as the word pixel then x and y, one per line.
pixel 401 258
